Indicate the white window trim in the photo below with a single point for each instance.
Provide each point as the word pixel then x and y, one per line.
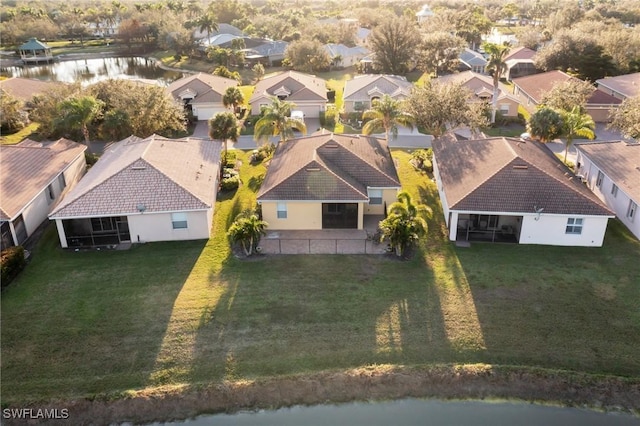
pixel 281 211
pixel 179 220
pixel 574 226
pixel 371 192
pixel 632 210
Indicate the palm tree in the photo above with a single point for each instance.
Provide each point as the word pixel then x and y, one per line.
pixel 232 98
pixel 276 120
pixel 577 123
pixel 247 230
pixel 386 115
pixel 224 126
pixel 405 223
pixel 207 22
pixel 496 65
pixel 78 113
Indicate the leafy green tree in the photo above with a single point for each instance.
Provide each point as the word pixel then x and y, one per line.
pixel 577 123
pixel 223 71
pixel 568 94
pixel 258 70
pixel 394 44
pixel 439 52
pixel 276 121
pixel 307 56
pixel 545 124
pixel 13 117
pixel 247 230
pixel 232 98
pixel 78 113
pixel 497 66
pixel 219 55
pixel 626 118
pixel 405 223
pixel 437 108
pixel 386 114
pixel 224 127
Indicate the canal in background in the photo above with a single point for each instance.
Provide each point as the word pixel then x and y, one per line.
pixel 89 71
pixel 412 412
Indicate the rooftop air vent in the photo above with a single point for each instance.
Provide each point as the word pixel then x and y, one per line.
pixel 138 168
pixel 520 167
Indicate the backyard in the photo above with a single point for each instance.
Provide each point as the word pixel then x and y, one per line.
pixel 110 324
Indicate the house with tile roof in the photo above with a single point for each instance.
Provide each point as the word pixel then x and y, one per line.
pixel 510 190
pixel 25 89
pixel 622 86
pixel 481 86
pixel 307 92
pixel 520 63
pixel 33 178
pixel 530 90
pixel 612 171
pixel 362 90
pixel 201 93
pixel 328 181
pixel 143 190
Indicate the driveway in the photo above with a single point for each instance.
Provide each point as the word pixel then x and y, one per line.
pixel 602 134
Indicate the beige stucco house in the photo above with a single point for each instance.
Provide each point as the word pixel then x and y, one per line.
pixel 143 190
pixel 481 86
pixel 307 92
pixel 33 178
pixel 328 181
pixel 201 93
pixel 362 90
pixel 621 86
pixel 510 190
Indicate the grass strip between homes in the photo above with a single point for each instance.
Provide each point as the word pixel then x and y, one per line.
pixel 189 316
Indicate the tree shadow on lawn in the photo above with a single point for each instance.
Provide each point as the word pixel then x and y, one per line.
pixel 83 323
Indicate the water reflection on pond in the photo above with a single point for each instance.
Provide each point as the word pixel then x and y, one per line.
pixel 89 71
pixel 419 412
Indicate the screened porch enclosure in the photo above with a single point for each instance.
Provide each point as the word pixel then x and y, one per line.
pixel 491 228
pixel 96 231
pixel 339 216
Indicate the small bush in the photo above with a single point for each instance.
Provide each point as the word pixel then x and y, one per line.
pixel 90 158
pixel 422 159
pixel 12 260
pixel 230 160
pixel 329 118
pixel 230 184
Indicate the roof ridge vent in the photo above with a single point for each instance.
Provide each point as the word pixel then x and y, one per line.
pixel 520 166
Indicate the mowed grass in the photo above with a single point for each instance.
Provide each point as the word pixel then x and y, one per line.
pixel 79 324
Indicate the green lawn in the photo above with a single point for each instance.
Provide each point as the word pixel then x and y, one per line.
pixel 85 323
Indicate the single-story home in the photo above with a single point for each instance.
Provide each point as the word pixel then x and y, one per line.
pixel 328 181
pixel 143 190
pixel 362 90
pixel 201 93
pixel 520 63
pixel 481 86
pixel 510 190
pixel 622 86
pixel 473 61
pixel 33 178
pixel 345 56
pixel 612 171
pixel 307 92
pixel 24 89
pixel 530 90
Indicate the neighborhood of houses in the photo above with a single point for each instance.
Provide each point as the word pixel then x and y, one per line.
pixel 494 189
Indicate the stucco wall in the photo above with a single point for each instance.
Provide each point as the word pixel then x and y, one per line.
pixel 389 196
pixel 619 203
pixel 148 227
pixel 550 230
pixel 299 215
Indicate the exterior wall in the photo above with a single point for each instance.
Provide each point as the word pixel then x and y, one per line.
pixel 550 230
pixel 388 196
pixel 443 196
pixel 513 107
pixel 206 111
pixel 300 215
pixel 600 113
pixel 148 227
pixel 619 203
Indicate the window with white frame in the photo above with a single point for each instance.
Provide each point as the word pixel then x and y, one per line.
pixel 599 179
pixel 179 220
pixel 375 196
pixel 614 190
pixel 282 210
pixel 62 181
pixel 50 194
pixel 574 225
pixel 631 211
pixel 504 109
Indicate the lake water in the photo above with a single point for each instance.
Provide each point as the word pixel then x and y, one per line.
pixel 90 71
pixel 419 412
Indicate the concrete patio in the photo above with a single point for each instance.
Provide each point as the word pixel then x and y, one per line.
pixel 325 241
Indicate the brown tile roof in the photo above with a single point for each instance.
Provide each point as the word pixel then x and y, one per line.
pixel 302 87
pixel 619 160
pixel 25 88
pixel 161 174
pixel 628 84
pixel 510 175
pixel 327 167
pixel 358 87
pixel 600 97
pixel 520 53
pixel 208 88
pixel 27 168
